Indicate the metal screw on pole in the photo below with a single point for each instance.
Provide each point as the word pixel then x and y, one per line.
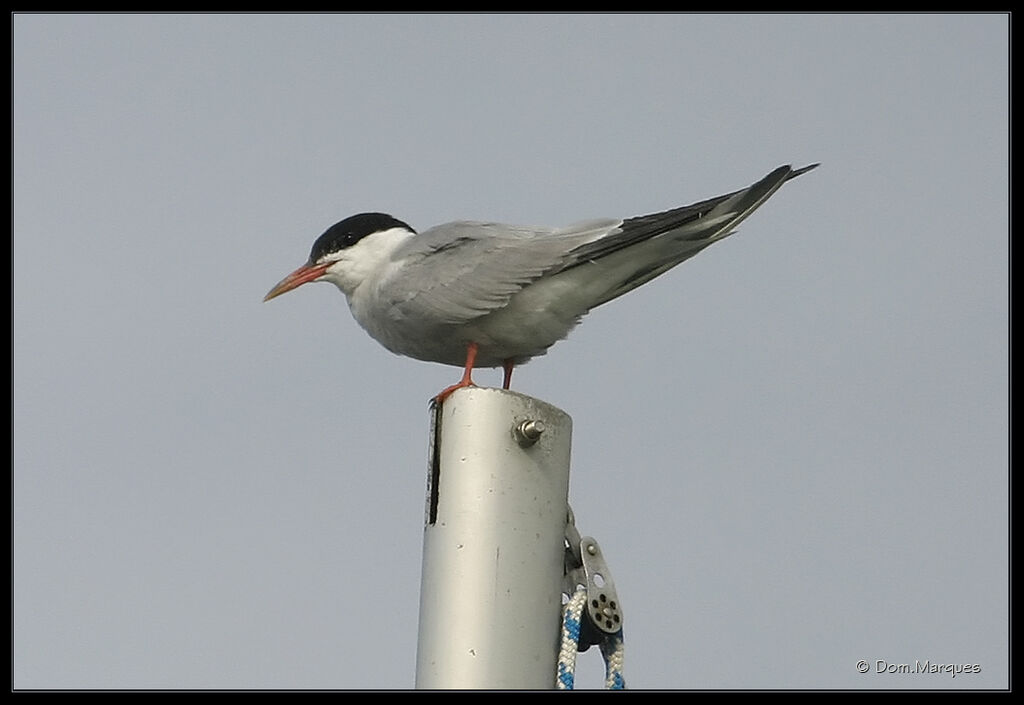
pixel 528 432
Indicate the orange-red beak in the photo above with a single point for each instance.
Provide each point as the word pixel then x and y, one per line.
pixel 305 273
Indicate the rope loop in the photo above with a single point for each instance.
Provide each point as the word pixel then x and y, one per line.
pixel 612 649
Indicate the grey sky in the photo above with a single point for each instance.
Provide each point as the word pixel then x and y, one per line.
pixel 793 449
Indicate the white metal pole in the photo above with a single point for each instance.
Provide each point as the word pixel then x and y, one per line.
pixel 493 545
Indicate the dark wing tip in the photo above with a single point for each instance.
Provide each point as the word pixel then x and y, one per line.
pixel 803 170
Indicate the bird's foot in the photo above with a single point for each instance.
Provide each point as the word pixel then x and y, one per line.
pixel 466 381
pixel 447 391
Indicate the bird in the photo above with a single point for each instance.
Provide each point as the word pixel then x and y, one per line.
pixel 478 294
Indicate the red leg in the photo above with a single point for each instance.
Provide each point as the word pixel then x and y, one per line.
pixel 509 366
pixel 467 376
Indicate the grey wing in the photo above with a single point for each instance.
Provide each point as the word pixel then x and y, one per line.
pixel 459 271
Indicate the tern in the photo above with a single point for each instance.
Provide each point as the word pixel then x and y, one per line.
pixel 477 294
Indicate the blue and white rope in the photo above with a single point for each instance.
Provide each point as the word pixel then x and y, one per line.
pixel 611 648
pixel 613 652
pixel 571 614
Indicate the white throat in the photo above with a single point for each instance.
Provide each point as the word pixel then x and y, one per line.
pixel 364 261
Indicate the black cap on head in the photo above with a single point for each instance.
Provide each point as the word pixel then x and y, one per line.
pixel 350 231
